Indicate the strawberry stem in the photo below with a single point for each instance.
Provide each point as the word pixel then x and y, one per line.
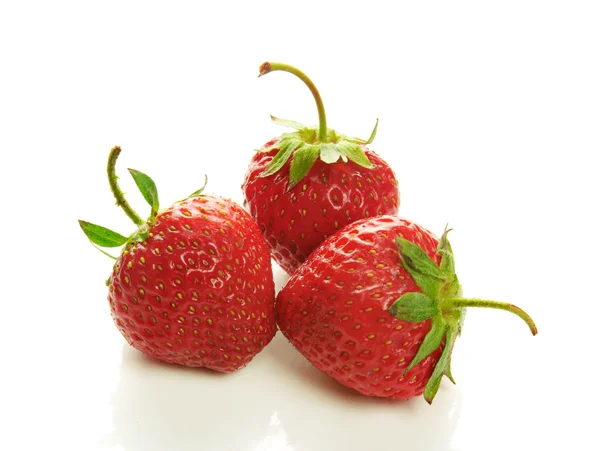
pixel 114 187
pixel 474 302
pixel 267 67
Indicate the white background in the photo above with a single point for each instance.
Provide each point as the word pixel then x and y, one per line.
pixel 489 114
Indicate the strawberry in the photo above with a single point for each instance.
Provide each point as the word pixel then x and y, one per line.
pixel 378 306
pixel 194 284
pixel 305 185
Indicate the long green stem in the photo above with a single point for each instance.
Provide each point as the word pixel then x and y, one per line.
pixel 267 67
pixel 474 302
pixel 114 187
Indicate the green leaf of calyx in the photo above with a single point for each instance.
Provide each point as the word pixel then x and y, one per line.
pixel 354 153
pixel 303 160
pixel 432 341
pixel 104 252
pixel 373 133
pixel 441 366
pixel 148 189
pixel 101 235
pixel 199 192
pixel 287 123
pixel 448 369
pixel 287 147
pixel 371 138
pixel 329 153
pixel 423 270
pixel 452 286
pixel 414 307
pixel 445 251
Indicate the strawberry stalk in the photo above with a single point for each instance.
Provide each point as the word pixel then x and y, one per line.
pixel 267 67
pixel 475 302
pixel 116 190
pixel 440 301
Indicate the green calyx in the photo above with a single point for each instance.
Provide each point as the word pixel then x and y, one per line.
pixel 308 144
pixel 101 236
pixel 441 301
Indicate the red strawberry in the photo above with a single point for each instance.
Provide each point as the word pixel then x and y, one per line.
pixel 303 186
pixel 378 306
pixel 193 285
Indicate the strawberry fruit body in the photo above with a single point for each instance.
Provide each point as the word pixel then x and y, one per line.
pixel 378 306
pixel 194 284
pixel 305 185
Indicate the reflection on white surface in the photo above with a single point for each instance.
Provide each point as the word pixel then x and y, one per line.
pixel 276 439
pixel 278 403
pixel 158 406
pixel 317 413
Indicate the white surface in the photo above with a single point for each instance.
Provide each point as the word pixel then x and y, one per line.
pixel 489 114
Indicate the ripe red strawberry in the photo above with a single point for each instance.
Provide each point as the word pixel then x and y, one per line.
pixel 303 186
pixel 194 284
pixel 378 306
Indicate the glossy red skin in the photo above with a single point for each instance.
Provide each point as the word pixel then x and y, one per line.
pixel 329 197
pixel 199 290
pixel 334 309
